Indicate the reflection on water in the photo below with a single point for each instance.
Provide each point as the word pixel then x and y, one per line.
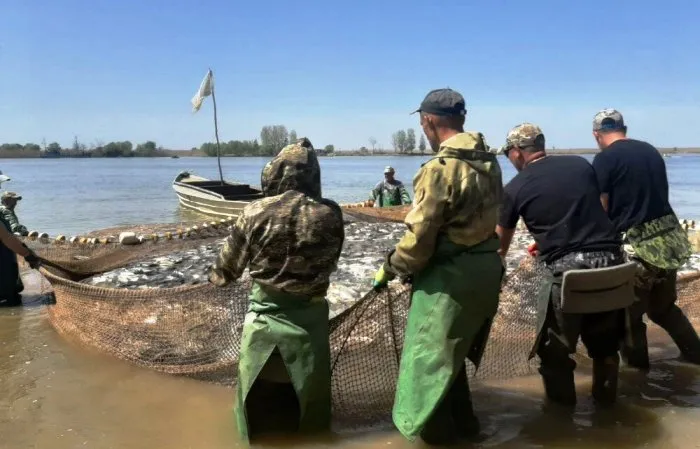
pixel 55 394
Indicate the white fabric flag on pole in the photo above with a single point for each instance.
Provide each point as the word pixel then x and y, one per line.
pixel 3 178
pixel 204 91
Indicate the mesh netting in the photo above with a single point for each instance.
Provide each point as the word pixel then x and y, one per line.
pixel 195 330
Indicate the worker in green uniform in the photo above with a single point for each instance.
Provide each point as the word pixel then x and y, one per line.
pixel 390 191
pixel 450 252
pixel 10 282
pixel 290 241
pixel 634 191
pixel 8 204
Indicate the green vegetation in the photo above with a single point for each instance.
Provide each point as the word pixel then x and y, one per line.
pixel 79 150
pixel 272 139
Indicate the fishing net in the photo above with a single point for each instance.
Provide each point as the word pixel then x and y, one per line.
pixel 195 330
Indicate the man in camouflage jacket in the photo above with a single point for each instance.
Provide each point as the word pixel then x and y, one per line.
pixel 291 242
pixel 7 212
pixel 450 251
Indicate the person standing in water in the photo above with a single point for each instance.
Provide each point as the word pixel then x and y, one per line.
pixel 291 242
pixel 571 232
pixel 10 281
pixel 450 251
pixel 634 191
pixel 390 191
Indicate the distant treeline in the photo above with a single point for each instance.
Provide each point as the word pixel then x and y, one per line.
pixel 272 139
pixel 78 150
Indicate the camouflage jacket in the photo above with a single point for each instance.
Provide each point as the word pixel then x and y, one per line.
pixel 291 240
pixel 9 217
pixel 661 243
pixel 390 194
pixel 457 194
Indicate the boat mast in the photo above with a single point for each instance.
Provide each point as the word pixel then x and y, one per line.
pixel 216 131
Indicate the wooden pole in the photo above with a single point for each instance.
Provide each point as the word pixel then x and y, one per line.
pixel 216 129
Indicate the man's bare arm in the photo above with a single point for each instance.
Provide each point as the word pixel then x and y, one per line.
pixel 13 242
pixel 506 236
pixel 604 200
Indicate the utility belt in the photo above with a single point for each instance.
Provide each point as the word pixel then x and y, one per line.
pixel 594 281
pixel 585 259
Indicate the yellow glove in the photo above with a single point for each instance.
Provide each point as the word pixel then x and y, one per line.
pixel 381 279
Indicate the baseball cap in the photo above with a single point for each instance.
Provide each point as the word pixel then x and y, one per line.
pixel 8 195
pixel 524 135
pixel 608 119
pixel 388 169
pixel 446 102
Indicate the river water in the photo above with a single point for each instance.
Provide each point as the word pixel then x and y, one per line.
pixel 59 395
pixel 72 196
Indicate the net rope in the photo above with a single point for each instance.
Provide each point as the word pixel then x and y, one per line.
pixel 195 330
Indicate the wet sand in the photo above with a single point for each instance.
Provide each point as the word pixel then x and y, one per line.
pixel 54 394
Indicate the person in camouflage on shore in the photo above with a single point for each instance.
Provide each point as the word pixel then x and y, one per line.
pixel 390 191
pixel 291 242
pixel 450 252
pixel 634 190
pixel 9 201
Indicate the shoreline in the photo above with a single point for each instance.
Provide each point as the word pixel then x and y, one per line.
pixel 687 151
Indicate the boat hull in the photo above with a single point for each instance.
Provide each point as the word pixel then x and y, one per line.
pixel 211 198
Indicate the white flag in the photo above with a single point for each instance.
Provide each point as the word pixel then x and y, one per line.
pixel 204 91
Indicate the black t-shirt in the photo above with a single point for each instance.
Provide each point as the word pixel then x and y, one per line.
pixel 633 174
pixel 559 201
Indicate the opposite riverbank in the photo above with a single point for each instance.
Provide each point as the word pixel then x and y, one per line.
pixel 339 153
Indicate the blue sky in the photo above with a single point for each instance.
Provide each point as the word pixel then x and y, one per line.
pixel 341 72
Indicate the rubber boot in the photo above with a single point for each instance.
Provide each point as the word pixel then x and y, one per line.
pixel 605 373
pixel 637 354
pixel 559 386
pixel 440 429
pixel 466 423
pixel 683 334
pixel 15 301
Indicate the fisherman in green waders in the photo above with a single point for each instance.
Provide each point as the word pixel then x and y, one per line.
pixel 450 251
pixel 390 191
pixel 291 242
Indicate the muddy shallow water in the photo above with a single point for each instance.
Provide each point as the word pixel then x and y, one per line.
pixel 54 394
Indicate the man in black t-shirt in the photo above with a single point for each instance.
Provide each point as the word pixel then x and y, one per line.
pixel 559 202
pixel 632 178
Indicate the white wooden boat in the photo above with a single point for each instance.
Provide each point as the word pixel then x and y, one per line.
pixel 213 198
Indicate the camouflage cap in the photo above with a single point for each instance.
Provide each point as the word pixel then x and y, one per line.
pixel 445 102
pixel 525 135
pixel 11 195
pixel 608 119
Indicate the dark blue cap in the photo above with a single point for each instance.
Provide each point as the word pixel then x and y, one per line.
pixel 445 102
